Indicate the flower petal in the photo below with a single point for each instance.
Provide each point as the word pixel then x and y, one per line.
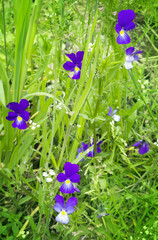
pixel 128 65
pixel 136 58
pixel 19 124
pixel 69 66
pixel 129 50
pixel 70 169
pixel 129 26
pixel 76 75
pixel 79 150
pixel 110 111
pixel 72 57
pixel 11 116
pixel 62 218
pixel 75 178
pixel 125 16
pixel 99 143
pixel 91 154
pixel 25 115
pixel 85 146
pixel 13 106
pixel 123 39
pixel 23 105
pixel 118 28
pixel 61 177
pixel 71 203
pixel 67 188
pixel 58 207
pixel 137 52
pixel 116 118
pixel 59 199
pixel 98 150
pixel 143 148
pixel 79 56
pixel 137 144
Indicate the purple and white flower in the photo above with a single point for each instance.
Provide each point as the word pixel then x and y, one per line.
pixel 124 24
pixel 75 66
pixel 69 178
pixel 64 210
pixel 19 115
pixel 130 57
pixel 144 148
pixel 113 114
pixel 84 148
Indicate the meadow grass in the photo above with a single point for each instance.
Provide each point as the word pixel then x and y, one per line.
pixel 34 37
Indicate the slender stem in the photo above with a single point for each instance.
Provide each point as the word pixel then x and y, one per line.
pixel 5 42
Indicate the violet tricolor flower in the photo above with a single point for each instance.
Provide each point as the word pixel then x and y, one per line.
pixel 74 66
pixel 130 57
pixel 64 210
pixel 144 148
pixel 82 149
pixel 19 115
pixel 69 178
pixel 113 114
pixel 124 24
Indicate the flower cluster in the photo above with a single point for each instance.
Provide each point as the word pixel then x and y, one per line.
pixel 125 23
pixel 69 179
pixel 48 175
pixel 33 125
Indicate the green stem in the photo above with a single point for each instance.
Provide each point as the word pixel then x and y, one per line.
pixel 142 97
pixel 5 42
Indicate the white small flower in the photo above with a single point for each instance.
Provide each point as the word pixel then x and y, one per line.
pixel 51 172
pixel 33 127
pixel 48 179
pixel 45 174
pixel 34 124
pixel 30 121
pixel 78 125
pixel 38 125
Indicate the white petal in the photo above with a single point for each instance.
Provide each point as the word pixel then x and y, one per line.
pixel 129 58
pixel 48 179
pixel 51 172
pixel 45 174
pixel 116 118
pixel 62 218
pixel 128 65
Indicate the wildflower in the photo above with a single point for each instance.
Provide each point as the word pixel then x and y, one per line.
pixel 92 153
pixel 124 24
pixel 33 125
pixel 19 115
pixel 130 57
pixel 102 215
pixel 143 147
pixel 48 175
pixel 82 149
pixel 64 210
pixel 69 177
pixel 113 114
pixel 76 64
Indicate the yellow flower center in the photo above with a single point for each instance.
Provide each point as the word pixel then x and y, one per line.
pixel 67 181
pixel 77 69
pixel 122 32
pixel 63 212
pixel 19 118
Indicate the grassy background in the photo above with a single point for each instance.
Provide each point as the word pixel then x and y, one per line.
pixel 119 180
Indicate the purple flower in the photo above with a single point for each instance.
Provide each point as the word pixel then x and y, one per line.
pixel 74 66
pixel 130 57
pixel 68 178
pixel 92 153
pixel 102 215
pixel 113 114
pixel 19 115
pixel 143 147
pixel 80 150
pixel 124 24
pixel 64 210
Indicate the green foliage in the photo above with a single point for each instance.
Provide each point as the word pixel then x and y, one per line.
pixel 34 38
